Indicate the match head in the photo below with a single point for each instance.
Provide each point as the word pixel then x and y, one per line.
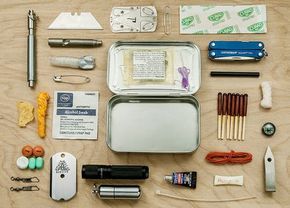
pixel 245 105
pixel 224 107
pixel 241 105
pixel 237 104
pixel 220 103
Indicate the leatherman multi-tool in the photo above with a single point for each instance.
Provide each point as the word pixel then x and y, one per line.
pixel 236 50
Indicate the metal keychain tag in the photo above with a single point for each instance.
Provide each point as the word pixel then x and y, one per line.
pixel 63 176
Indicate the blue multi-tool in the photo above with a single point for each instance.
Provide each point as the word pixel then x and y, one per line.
pixel 236 50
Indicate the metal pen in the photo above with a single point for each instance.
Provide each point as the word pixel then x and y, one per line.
pixel 31 49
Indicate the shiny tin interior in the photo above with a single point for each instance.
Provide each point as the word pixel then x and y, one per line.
pixel 153 124
pixel 178 54
pixel 149 115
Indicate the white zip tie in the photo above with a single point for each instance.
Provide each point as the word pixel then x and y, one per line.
pixel 158 192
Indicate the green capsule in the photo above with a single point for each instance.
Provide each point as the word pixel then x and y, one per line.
pixel 39 162
pixel 32 163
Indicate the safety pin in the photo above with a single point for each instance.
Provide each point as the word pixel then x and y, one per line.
pixel 25 188
pixel 59 78
pixel 25 180
pixel 167 20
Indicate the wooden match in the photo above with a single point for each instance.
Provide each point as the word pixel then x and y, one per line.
pixel 241 112
pixel 236 116
pixel 224 115
pixel 228 114
pixel 232 114
pixel 244 116
pixel 219 108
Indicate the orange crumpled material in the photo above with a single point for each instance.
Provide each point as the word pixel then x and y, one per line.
pixel 42 102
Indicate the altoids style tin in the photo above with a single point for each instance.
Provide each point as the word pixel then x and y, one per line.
pixel 153 110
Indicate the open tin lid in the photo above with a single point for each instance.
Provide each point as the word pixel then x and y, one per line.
pixel 154 68
pixel 153 124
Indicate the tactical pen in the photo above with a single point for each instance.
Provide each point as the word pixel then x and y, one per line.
pixel 71 42
pixel 31 49
pixel 115 172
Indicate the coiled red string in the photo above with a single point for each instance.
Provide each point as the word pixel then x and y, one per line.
pixel 229 157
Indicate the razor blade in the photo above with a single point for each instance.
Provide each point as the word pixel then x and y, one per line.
pixel 236 50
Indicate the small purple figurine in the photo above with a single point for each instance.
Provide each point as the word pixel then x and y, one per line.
pixel 184 73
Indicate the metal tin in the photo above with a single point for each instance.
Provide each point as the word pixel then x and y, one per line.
pixel 153 116
pixel 153 124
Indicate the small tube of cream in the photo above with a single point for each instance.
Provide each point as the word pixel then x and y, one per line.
pixel 187 179
pixel 228 180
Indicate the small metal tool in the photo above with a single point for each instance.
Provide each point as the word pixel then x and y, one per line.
pixel 25 180
pixel 31 49
pixel 24 188
pixel 71 42
pixel 72 79
pixel 117 191
pixel 269 171
pixel 133 19
pixel 236 50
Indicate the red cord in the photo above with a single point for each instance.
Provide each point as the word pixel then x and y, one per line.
pixel 229 157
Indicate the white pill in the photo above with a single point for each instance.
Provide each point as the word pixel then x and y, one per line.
pixel 22 162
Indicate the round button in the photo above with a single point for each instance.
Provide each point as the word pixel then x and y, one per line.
pixel 27 151
pixel 22 162
pixel 38 151
pixel 269 129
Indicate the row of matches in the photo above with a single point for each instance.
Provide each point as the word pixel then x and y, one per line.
pixel 232 113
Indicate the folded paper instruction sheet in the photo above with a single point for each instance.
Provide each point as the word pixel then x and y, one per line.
pixel 75 115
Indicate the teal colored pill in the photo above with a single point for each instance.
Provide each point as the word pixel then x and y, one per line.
pixel 32 163
pixel 39 163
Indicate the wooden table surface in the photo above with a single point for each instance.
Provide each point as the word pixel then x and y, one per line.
pixel 13 85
